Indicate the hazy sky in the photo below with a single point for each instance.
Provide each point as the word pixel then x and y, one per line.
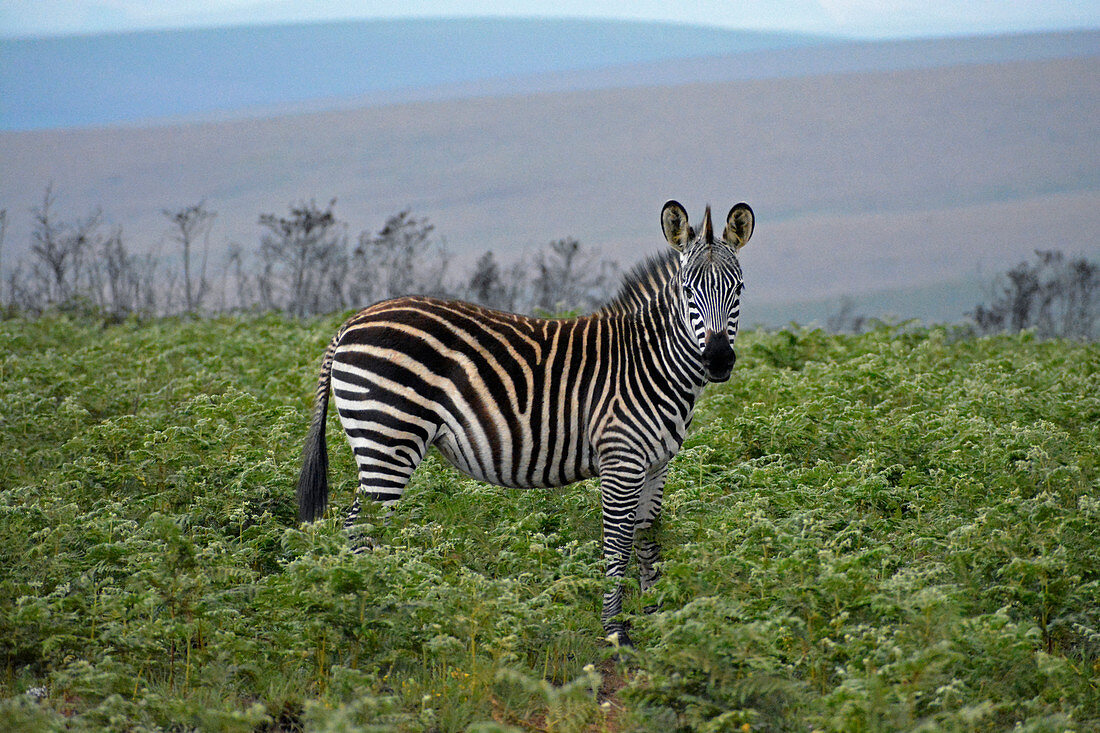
pixel 870 18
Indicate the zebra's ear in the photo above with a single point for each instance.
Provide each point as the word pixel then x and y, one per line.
pixel 739 224
pixel 674 222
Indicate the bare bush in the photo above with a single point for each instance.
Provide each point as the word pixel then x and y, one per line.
pixel 189 225
pixel 302 267
pixel 113 285
pixel 121 283
pixel 238 284
pixel 1056 296
pixel 303 259
pixel 61 252
pixel 847 320
pixel 566 277
pixel 401 259
pixel 75 266
pixel 488 285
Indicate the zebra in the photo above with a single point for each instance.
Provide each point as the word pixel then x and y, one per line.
pixel 529 402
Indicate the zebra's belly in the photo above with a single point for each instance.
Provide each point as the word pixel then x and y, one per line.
pixel 513 466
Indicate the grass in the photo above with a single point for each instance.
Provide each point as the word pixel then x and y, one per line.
pixel 892 531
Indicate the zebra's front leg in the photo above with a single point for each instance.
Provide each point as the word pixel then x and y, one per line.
pixel 621 485
pixel 646 546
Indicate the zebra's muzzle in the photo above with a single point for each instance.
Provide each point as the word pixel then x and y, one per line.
pixel 718 357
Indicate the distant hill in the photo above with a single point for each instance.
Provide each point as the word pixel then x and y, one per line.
pixel 262 71
pixel 104 79
pixel 909 184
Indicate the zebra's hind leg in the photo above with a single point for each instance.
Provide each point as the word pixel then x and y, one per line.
pixel 357 540
pixel 386 463
pixel 646 547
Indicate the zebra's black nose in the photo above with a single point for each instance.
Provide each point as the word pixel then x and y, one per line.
pixel 718 357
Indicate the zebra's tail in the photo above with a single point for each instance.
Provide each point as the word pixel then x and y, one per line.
pixel 313 481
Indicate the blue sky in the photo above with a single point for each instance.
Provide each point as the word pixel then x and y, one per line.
pixel 864 18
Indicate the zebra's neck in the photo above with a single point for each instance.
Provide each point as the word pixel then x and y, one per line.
pixel 651 299
pixel 655 331
pixel 685 359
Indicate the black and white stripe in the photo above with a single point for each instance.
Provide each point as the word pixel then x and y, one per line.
pixel 528 402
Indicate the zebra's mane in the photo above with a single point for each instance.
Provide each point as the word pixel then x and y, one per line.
pixel 643 282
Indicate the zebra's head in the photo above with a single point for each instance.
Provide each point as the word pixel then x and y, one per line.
pixel 710 281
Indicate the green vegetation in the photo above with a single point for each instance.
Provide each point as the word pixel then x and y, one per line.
pixel 893 531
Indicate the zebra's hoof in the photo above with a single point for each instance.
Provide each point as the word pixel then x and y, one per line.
pixel 364 545
pixel 618 637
